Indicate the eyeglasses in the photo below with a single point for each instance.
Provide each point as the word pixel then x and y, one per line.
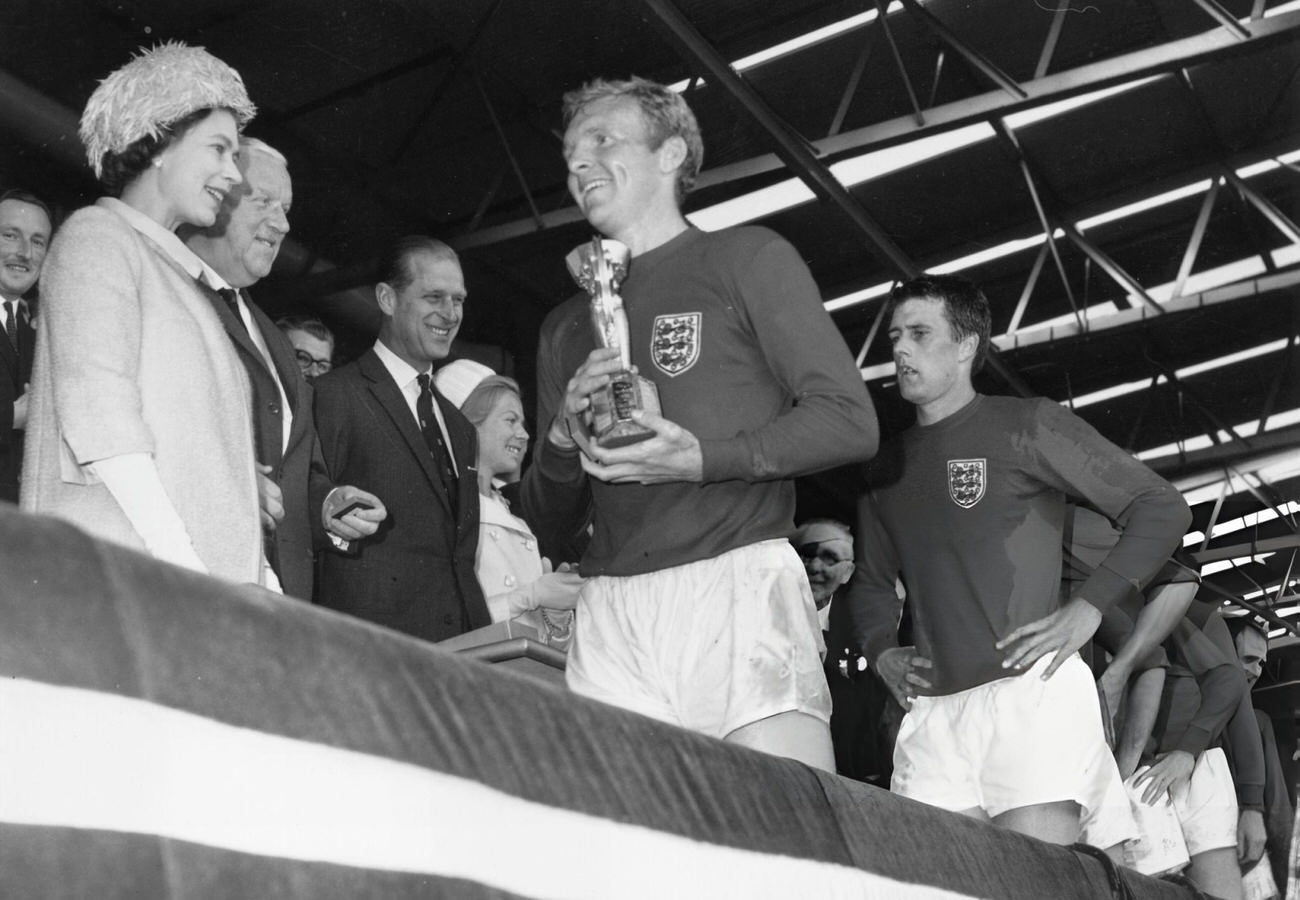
pixel 817 550
pixel 310 365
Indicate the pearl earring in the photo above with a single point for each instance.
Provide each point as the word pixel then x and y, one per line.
pixel 157 162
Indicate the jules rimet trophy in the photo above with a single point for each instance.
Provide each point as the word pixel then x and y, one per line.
pixel 600 267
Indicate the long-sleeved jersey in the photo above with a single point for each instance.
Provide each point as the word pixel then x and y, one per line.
pixel 730 327
pixel 970 512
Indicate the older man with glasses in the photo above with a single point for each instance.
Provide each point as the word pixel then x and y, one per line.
pixel 313 343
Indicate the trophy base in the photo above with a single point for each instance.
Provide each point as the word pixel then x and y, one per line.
pixel 612 407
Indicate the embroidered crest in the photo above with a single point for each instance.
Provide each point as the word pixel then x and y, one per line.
pixel 675 342
pixel 966 481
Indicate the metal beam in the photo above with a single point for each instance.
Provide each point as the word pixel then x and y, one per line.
pixel 966 52
pixel 1212 46
pixel 1053 35
pixel 1241 290
pixel 882 17
pixel 435 96
pixel 1275 216
pixel 791 147
pixel 1110 267
pixel 1044 221
pixel 851 89
pixel 997 362
pixel 505 145
pixel 1030 283
pixel 1214 458
pixel 1223 17
pixel 1263 612
pixel 1198 234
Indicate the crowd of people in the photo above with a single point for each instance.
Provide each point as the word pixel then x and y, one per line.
pixel 1007 631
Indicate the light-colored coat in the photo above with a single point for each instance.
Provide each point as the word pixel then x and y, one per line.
pixel 131 358
pixel 507 559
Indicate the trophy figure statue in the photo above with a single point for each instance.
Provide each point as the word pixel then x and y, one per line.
pixel 600 267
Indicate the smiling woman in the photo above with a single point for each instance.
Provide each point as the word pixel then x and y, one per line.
pixel 517 582
pixel 139 429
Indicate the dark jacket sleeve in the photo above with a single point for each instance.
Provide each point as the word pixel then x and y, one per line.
pixel 330 451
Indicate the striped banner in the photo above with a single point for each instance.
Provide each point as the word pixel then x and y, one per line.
pixel 162 735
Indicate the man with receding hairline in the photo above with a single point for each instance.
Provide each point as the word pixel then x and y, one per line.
pixel 385 428
pixel 240 249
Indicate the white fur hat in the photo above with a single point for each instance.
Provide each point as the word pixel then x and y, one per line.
pixel 458 378
pixel 154 89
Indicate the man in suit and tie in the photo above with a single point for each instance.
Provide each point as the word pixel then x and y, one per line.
pixel 384 427
pixel 25 227
pixel 240 248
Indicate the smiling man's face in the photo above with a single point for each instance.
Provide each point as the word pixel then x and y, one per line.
pixel 614 175
pixel 24 238
pixel 256 221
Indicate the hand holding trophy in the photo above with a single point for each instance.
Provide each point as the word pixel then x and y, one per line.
pixel 600 267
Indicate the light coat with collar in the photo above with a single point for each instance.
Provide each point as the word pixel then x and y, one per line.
pixel 291 548
pixel 416 573
pixel 130 358
pixel 508 559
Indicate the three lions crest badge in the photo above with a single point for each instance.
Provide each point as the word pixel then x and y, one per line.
pixel 967 479
pixel 675 342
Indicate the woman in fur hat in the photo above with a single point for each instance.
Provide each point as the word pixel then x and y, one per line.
pixel 139 429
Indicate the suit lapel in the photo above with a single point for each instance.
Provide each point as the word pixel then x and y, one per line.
pixel 7 355
pixel 389 397
pixel 282 357
pixel 233 326
pixel 464 447
pixel 26 346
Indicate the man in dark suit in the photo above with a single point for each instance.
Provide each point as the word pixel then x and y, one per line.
pixel 240 248
pixel 384 427
pixel 25 227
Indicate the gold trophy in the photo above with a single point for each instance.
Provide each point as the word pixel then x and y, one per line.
pixel 600 267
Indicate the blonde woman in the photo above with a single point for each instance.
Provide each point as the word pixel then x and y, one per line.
pixel 517 582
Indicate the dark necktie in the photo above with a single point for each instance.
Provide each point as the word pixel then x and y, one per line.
pixel 433 437
pixel 11 323
pixel 231 297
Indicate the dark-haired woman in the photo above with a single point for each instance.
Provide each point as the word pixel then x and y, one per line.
pixel 139 429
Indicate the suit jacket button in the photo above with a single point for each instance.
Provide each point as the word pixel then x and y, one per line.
pixel 446 620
